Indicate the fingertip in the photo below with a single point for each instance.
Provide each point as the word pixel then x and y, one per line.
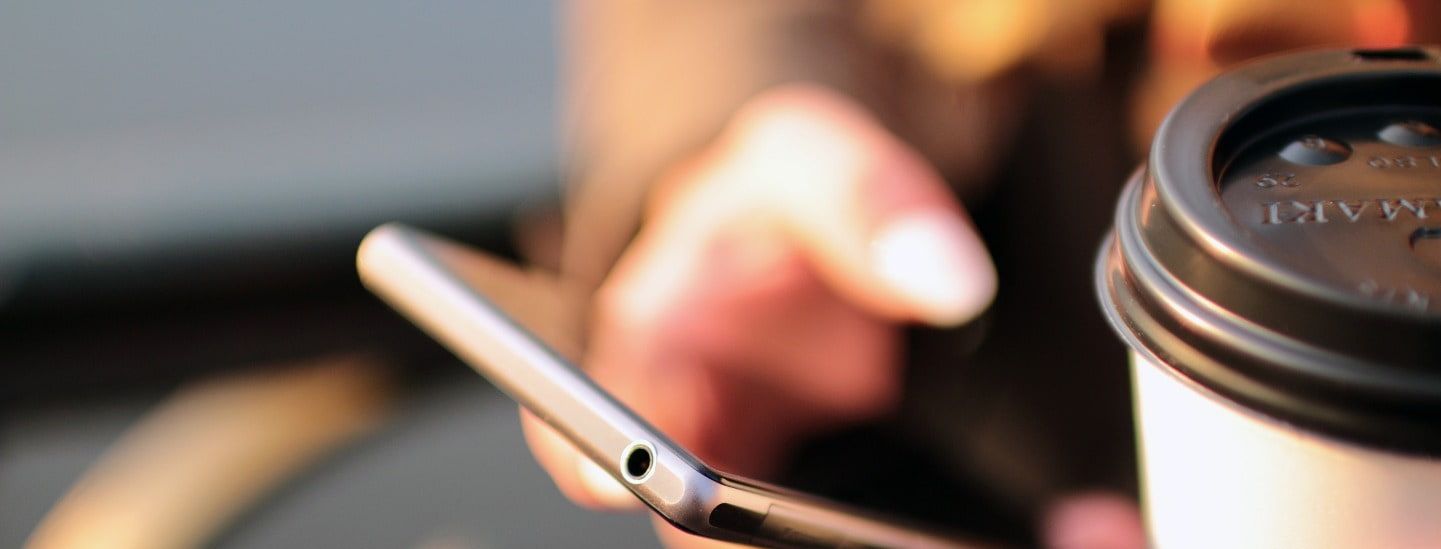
pixel 577 478
pixel 878 222
pixel 603 489
pixel 936 263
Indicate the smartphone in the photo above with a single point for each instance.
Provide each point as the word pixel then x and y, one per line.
pixel 423 277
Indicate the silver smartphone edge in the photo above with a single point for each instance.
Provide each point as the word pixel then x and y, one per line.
pixel 412 271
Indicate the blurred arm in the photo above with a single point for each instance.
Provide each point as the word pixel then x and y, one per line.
pixel 650 81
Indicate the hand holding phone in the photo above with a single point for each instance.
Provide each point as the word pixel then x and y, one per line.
pixel 420 276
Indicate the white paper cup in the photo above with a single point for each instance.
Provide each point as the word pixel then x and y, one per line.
pixel 1214 474
pixel 1273 271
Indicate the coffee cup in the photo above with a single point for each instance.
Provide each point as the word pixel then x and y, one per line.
pixel 1275 269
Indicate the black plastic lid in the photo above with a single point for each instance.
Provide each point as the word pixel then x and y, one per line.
pixel 1283 245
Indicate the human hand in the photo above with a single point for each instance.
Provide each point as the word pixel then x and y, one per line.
pixel 761 302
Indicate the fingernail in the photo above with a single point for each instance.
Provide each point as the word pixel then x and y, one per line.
pixel 606 489
pixel 935 261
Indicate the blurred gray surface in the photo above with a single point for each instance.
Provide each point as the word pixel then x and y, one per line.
pixel 134 124
pixel 130 126
pixel 42 454
pixel 449 470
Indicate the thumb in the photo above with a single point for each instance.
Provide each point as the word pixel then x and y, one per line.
pixel 878 223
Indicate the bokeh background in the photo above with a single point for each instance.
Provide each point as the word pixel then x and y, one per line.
pixel 182 187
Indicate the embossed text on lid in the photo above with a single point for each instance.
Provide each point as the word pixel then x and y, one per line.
pixel 1348 224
